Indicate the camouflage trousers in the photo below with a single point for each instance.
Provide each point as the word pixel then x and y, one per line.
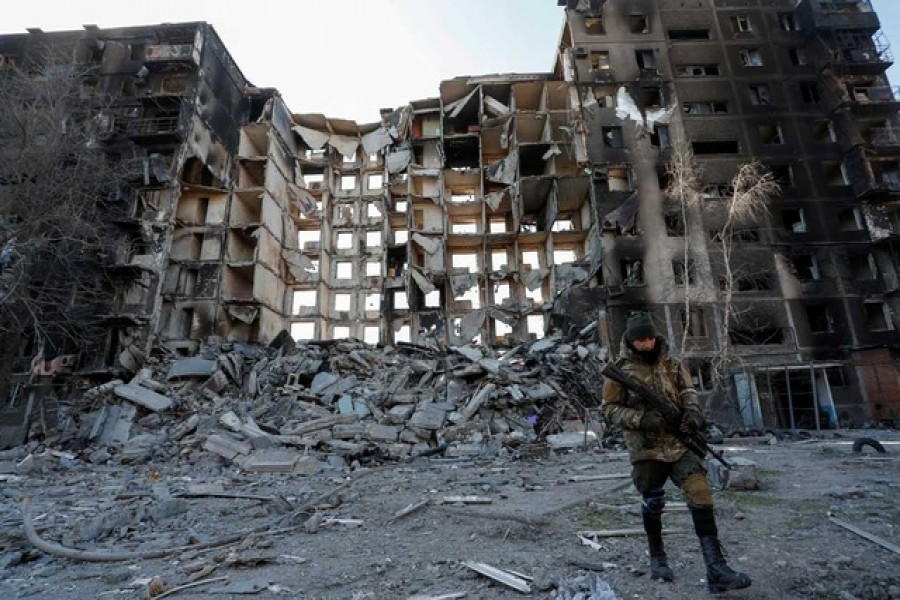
pixel 687 473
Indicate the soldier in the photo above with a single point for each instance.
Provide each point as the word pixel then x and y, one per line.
pixel 657 455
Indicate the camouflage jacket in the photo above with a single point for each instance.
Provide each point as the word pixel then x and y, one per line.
pixel 669 377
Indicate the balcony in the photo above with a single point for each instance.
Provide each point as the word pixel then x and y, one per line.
pixel 870 100
pixel 885 139
pixel 148 172
pixel 880 182
pixel 164 56
pixel 848 15
pixel 153 129
pixel 872 59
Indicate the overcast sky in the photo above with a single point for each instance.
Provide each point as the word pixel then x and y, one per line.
pixel 349 58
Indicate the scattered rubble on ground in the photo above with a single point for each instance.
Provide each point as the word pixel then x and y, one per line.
pixel 337 470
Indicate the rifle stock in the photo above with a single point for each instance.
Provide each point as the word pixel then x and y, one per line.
pixel 695 442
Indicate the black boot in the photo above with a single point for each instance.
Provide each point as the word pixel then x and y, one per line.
pixel 659 568
pixel 719 576
pixel 659 565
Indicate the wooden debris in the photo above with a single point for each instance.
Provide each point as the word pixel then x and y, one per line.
pixel 347 522
pixel 179 588
pixel 589 542
pixel 229 495
pixel 408 510
pixel 451 596
pixel 604 533
pixel 100 556
pixel 600 477
pixel 466 500
pixel 869 536
pixel 500 576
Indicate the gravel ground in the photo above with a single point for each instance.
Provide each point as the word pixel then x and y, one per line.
pixel 349 544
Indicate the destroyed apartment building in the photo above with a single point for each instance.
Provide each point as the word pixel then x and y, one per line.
pixel 510 208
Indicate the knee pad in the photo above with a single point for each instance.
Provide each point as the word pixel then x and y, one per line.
pixel 654 503
pixel 697 491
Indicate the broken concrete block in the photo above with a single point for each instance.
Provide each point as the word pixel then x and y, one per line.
pixel 92 424
pixel 458 450
pixel 345 405
pixel 191 367
pixel 322 381
pixel 322 423
pixel 571 439
pixel 473 354
pixel 400 414
pixel 398 450
pixel 272 461
pixel 216 382
pixel 541 345
pixel 429 416
pixel 410 436
pixel 742 476
pixel 361 408
pixel 184 428
pixel 476 401
pixel 491 365
pixel 143 397
pixel 231 421
pixel 140 447
pixel 541 391
pixel 99 457
pixel 345 448
pixel 401 398
pixel 225 446
pixel 117 427
pixel 382 433
pixel 348 431
pixel 307 465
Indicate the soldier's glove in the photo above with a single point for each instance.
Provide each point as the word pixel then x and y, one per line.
pixel 691 422
pixel 652 421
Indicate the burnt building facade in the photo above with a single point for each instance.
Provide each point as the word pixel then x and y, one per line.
pixel 801 88
pixel 511 207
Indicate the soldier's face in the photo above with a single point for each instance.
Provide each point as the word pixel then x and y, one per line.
pixel 645 344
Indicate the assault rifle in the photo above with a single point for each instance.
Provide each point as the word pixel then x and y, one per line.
pixel 695 442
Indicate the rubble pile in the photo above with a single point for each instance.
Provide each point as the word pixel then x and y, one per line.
pixel 295 407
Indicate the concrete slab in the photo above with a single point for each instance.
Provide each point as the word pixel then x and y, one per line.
pixel 191 367
pixel 117 428
pixel 429 416
pixel 382 433
pixel 272 461
pixel 143 397
pixel 225 446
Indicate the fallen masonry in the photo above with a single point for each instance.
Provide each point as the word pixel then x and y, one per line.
pixel 301 407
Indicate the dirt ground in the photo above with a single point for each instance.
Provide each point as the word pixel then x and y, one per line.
pixel 779 534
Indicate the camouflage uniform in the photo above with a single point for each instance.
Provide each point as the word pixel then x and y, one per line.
pixel 657 455
pixel 668 377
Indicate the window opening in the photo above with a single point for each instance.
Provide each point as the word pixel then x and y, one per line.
pixel 741 24
pixel 770 133
pixel 760 95
pixel 751 57
pixel 638 23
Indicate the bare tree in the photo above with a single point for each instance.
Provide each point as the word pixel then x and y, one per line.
pixel 684 187
pixel 752 190
pixel 54 232
pixel 743 206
